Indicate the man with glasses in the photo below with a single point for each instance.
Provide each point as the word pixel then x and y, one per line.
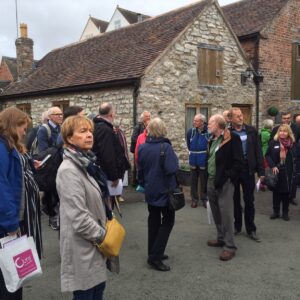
pixel 47 138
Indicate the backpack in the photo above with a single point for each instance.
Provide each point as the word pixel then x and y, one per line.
pixel 34 149
pixel 46 175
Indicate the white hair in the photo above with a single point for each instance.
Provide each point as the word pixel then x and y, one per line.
pixel 268 124
pixel 44 116
pixel 201 117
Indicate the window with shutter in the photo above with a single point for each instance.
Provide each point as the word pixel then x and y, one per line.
pixel 61 104
pixel 25 107
pixel 295 95
pixel 210 64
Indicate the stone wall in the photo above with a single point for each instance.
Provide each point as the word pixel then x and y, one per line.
pixel 121 98
pixel 172 83
pixel 275 54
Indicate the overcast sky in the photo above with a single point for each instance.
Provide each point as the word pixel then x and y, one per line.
pixel 56 23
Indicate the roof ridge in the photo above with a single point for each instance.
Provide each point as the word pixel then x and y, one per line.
pixel 131 11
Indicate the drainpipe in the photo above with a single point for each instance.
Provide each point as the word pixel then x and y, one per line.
pixel 136 92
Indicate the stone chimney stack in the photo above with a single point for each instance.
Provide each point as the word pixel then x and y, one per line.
pixel 24 46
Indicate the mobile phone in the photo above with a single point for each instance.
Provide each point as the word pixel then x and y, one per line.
pixel 45 159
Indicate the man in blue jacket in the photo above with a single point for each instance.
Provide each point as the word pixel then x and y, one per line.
pixel 197 139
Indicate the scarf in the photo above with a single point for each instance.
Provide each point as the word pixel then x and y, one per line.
pixel 285 145
pixel 86 161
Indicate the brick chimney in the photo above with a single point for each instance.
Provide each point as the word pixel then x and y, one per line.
pixel 24 46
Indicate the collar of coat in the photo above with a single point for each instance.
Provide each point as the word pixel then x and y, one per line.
pixel 226 137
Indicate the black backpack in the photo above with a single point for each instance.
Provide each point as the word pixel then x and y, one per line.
pixel 46 175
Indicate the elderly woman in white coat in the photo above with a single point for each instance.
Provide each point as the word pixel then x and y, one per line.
pixel 82 213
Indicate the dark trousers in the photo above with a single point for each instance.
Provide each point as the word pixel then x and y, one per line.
pixel 160 223
pixel 5 294
pixel 277 199
pixel 198 180
pixel 94 293
pixel 248 185
pixel 50 203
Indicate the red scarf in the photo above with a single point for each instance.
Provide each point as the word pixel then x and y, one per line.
pixel 285 145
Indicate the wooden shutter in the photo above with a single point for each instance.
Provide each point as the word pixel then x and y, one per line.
pixel 295 95
pixel 25 107
pixel 210 65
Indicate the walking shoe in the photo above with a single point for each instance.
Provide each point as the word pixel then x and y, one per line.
pixel 194 204
pixel 54 223
pixel 252 235
pixel 293 202
pixel 204 204
pixel 215 243
pixel 274 216
pixel 226 255
pixel 164 257
pixel 285 217
pixel 237 231
pixel 158 265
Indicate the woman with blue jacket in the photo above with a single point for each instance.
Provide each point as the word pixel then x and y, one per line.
pixel 157 167
pixel 19 195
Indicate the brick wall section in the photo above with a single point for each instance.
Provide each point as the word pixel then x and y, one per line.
pixel 275 54
pixel 5 73
pixel 173 82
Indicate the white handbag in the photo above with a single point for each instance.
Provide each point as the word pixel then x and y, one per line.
pixel 19 261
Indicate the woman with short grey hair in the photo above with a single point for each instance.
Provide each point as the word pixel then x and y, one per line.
pixel 158 164
pixel 265 134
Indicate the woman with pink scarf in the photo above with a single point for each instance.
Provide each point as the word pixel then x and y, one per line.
pixel 282 156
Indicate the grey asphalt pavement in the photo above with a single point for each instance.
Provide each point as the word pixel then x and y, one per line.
pixel 266 270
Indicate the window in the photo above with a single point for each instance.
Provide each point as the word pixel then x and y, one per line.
pixel 26 107
pixel 61 104
pixel 210 64
pixel 191 110
pixel 295 92
pixel 117 24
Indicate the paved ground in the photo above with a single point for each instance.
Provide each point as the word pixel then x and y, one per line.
pixel 267 270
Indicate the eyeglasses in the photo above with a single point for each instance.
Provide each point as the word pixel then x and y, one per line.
pixel 56 114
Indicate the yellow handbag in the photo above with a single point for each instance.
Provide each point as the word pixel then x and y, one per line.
pixel 112 243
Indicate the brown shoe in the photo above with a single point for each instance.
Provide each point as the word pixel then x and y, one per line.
pixel 215 243
pixel 194 204
pixel 226 255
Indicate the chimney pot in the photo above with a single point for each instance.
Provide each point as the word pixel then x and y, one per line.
pixel 23 29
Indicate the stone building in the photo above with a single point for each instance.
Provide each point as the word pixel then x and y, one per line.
pixel 269 32
pixel 174 65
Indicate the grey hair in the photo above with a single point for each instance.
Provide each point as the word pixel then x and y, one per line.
pixel 143 113
pixel 51 109
pixel 220 120
pixel 268 124
pixel 44 116
pixel 157 128
pixel 201 117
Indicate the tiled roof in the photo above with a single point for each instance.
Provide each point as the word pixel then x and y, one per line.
pixel 12 65
pixel 251 16
pixel 3 84
pixel 117 55
pixel 130 16
pixel 100 24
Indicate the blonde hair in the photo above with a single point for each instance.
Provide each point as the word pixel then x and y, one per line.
pixel 71 124
pixel 287 128
pixel 10 119
pixel 157 128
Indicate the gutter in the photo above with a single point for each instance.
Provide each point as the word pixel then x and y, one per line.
pixel 135 95
pixel 78 88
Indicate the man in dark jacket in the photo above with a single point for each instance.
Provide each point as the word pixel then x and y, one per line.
pixel 107 147
pixel 225 159
pixel 46 138
pixel 253 163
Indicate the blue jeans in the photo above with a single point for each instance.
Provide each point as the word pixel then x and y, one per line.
pixel 95 293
